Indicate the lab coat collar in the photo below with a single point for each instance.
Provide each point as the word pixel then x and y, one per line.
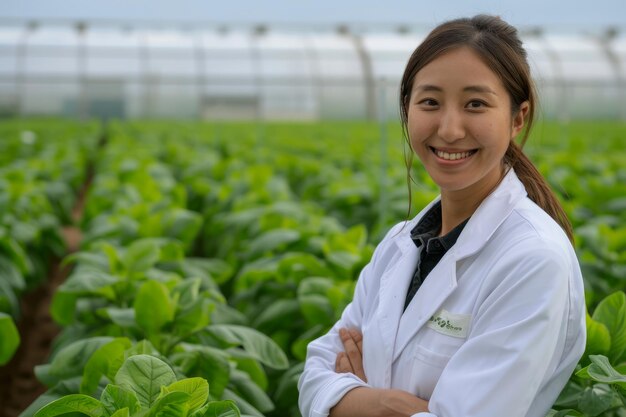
pixel 442 280
pixel 486 219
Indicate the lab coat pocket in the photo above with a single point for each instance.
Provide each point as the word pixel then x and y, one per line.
pixel 426 370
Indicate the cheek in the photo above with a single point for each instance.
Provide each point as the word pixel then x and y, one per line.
pixel 419 130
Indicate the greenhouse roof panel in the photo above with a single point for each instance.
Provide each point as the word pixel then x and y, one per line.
pixel 581 58
pixel 168 39
pixel 114 39
pixel 225 41
pixel 54 36
pixel 11 36
pixel 541 63
pixel 398 44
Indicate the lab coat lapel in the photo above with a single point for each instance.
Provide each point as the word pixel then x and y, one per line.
pixel 394 284
pixel 440 284
pixel 442 280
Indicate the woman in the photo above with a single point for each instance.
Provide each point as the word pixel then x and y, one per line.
pixel 476 306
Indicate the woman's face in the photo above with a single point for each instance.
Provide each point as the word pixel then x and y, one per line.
pixel 460 124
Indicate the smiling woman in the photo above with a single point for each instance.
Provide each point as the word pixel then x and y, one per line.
pixel 460 126
pixel 476 306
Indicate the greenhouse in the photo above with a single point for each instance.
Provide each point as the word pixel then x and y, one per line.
pixel 194 217
pixel 269 73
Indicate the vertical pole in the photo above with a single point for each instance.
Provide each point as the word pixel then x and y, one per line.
pixel 144 58
pixel 83 110
pixel 257 68
pixel 369 83
pixel 606 46
pixel 20 70
pixel 383 201
pixel 201 78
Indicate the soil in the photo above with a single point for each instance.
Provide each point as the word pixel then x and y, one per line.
pixel 18 385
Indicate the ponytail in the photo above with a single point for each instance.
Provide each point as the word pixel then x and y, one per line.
pixel 536 186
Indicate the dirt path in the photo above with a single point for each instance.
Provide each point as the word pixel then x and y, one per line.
pixel 18 385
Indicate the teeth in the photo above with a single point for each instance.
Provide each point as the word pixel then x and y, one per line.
pixel 453 156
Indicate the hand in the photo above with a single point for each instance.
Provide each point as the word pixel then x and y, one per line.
pixel 351 361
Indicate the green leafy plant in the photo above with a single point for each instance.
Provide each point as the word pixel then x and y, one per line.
pixel 9 338
pixel 145 386
pixel 598 387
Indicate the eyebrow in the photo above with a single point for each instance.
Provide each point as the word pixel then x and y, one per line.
pixel 469 88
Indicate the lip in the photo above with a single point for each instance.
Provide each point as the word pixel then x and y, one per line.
pixel 452 162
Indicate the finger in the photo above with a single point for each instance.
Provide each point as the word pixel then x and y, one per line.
pixel 353 353
pixel 343 364
pixel 358 339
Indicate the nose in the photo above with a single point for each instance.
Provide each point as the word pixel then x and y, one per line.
pixel 451 126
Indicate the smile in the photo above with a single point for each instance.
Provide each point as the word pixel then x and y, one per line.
pixel 452 156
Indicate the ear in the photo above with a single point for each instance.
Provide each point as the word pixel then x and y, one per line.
pixel 519 119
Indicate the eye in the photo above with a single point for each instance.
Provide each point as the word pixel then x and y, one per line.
pixel 476 104
pixel 428 103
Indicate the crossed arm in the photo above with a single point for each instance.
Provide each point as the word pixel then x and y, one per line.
pixel 363 401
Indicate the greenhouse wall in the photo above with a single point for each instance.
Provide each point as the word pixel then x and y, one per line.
pixel 267 73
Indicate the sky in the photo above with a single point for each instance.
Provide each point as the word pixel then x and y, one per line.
pixel 556 14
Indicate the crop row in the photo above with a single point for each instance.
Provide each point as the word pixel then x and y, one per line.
pixel 217 252
pixel 41 169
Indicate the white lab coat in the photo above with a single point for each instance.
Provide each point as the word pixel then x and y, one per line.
pixel 495 330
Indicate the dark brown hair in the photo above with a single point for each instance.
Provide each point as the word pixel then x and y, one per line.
pixel 498 45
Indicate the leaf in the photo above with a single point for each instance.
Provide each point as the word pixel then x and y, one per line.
pixel 596 400
pixel 145 375
pixel 251 392
pixel 153 307
pixel 71 360
pixel 18 255
pixel 197 388
pixel 206 362
pixel 122 412
pixel 193 317
pixel 112 255
pixel 188 290
pixel 105 361
pixel 241 403
pixel 611 312
pixel 272 240
pixel 141 255
pixel 222 409
pixel 143 347
pixel 63 307
pixel 89 281
pixel 9 302
pixel 287 389
pixel 97 260
pixel 115 398
pixel 173 404
pixel 316 309
pixel 598 338
pixel 254 342
pixel 183 225
pixel 11 274
pixel 251 366
pixel 565 413
pixel 344 260
pixel 75 403
pixel 298 348
pixel 570 395
pixel 123 317
pixel 296 266
pixel 9 338
pixel 601 370
pixel 225 314
pixel 273 317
